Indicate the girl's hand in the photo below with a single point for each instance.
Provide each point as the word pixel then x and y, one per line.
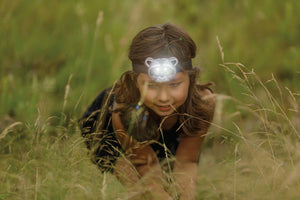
pixel 158 192
pixel 144 191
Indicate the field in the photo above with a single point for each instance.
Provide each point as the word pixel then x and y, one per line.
pixel 56 56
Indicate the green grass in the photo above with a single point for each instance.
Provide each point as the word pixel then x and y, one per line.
pixel 55 58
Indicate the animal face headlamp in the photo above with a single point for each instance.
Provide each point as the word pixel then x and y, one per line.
pixel 161 69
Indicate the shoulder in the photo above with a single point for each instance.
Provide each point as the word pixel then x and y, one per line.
pixel 200 110
pixel 208 96
pixel 203 96
pixel 99 102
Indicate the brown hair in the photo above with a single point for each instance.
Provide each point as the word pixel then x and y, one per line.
pixel 162 40
pixel 168 40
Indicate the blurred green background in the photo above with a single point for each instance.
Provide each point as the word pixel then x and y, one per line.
pixel 44 43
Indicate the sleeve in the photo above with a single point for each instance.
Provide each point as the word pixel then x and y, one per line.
pixel 89 120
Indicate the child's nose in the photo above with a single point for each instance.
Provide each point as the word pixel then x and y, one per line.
pixel 163 95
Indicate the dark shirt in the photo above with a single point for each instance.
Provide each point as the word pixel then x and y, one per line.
pixel 104 144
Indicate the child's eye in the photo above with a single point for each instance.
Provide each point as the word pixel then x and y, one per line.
pixel 152 85
pixel 175 84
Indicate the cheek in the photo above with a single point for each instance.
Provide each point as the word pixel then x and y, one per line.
pixel 149 98
pixel 181 95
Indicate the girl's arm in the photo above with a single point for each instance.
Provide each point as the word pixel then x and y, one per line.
pixel 140 162
pixel 187 155
pixel 186 166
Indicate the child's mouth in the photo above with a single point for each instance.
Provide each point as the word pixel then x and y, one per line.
pixel 164 108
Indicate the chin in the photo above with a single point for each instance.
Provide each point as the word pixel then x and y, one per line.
pixel 164 114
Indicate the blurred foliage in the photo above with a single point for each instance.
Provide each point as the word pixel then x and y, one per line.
pixel 43 43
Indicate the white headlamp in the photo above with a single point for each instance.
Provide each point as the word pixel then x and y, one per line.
pixel 161 69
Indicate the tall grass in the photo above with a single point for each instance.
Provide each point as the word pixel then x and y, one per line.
pixel 257 155
pixel 250 154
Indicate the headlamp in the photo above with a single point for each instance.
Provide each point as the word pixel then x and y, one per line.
pixel 161 69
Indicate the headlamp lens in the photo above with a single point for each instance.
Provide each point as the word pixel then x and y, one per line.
pixel 161 69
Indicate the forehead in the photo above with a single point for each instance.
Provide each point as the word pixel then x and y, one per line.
pixel 178 77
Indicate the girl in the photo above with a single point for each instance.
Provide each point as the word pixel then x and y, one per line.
pixel 154 112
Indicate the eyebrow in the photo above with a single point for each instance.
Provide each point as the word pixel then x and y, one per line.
pixel 178 79
pixel 175 80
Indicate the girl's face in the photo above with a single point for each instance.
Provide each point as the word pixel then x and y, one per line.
pixel 164 98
